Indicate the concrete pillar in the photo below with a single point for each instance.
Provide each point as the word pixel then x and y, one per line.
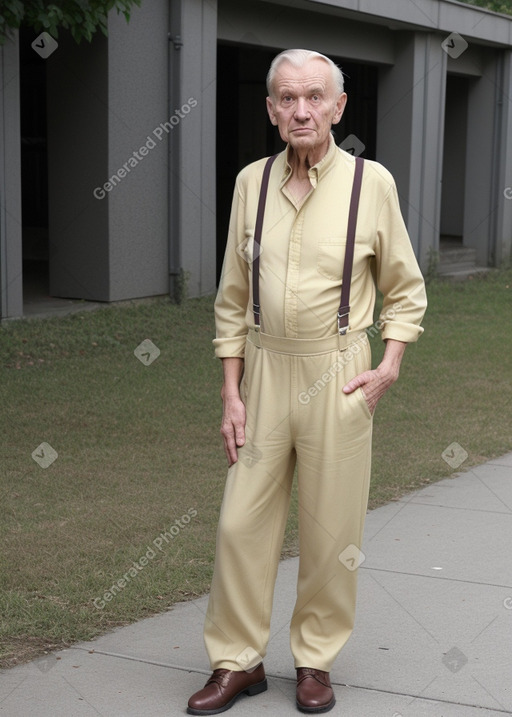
pixel 11 284
pixel 488 207
pixel 140 124
pixel 503 244
pixel 410 125
pixel 194 167
pixel 481 196
pixel 108 160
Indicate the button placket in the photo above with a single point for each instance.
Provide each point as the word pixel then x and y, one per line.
pixel 292 277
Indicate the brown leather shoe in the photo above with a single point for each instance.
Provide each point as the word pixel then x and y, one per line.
pixel 314 691
pixel 223 688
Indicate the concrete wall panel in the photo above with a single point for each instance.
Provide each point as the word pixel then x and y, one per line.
pixel 481 161
pixel 423 14
pixel 410 134
pixel 11 285
pixel 278 27
pixel 503 244
pixel 474 23
pixel 446 16
pixel 196 180
pixel 469 64
pixel 137 106
pixel 394 118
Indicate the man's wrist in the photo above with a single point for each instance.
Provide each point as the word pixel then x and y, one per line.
pixel 392 359
pixel 229 394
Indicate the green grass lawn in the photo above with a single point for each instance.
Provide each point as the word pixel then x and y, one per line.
pixel 136 488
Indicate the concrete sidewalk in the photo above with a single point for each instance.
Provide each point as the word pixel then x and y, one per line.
pixel 433 635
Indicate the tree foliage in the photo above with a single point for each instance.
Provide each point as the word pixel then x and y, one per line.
pixel 81 17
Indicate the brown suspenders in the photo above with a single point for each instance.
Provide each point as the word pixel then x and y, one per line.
pixel 257 242
pixel 344 308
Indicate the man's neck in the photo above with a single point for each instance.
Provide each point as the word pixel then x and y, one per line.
pixel 302 161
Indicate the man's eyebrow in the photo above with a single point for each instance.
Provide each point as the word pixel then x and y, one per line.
pixel 289 90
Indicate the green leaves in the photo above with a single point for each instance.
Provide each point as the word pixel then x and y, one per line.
pixel 81 17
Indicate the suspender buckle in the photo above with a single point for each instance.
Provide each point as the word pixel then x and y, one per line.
pixel 257 316
pixel 342 329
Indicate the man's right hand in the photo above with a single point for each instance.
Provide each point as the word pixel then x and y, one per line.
pixel 233 427
pixel 233 413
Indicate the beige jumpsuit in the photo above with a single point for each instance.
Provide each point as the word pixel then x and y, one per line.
pixel 297 414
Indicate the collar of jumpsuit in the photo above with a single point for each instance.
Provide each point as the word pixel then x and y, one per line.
pixel 315 172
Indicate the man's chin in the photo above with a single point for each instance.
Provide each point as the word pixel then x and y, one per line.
pixel 306 134
pixel 308 139
pixel 304 142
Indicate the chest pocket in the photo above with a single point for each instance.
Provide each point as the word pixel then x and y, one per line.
pixel 330 259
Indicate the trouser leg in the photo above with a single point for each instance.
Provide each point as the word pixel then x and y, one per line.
pixel 333 456
pixel 252 520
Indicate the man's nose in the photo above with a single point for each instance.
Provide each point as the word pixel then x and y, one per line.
pixel 301 109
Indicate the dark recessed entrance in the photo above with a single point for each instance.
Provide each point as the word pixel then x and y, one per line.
pixel 34 169
pixel 454 159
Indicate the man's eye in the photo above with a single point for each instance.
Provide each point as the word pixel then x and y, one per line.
pixel 315 98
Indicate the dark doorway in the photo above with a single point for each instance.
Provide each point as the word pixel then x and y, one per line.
pixel 360 116
pixel 454 160
pixel 244 133
pixel 34 169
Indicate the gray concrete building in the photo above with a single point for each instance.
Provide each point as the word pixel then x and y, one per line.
pixel 118 157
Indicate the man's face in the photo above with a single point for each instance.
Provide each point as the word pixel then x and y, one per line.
pixel 304 104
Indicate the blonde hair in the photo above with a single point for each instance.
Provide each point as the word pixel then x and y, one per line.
pixel 298 58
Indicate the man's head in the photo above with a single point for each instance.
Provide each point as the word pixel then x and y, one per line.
pixel 305 99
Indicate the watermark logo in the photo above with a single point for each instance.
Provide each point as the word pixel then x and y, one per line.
pixel 454 45
pixel 44 455
pixel 454 455
pixel 159 543
pixel 454 659
pixel 249 455
pixel 44 45
pixel 352 145
pixel 249 659
pixel 163 129
pixel 507 192
pixel 45 664
pixel 147 352
pixel 352 557
pixel 249 251
pixel 347 356
pixel 507 603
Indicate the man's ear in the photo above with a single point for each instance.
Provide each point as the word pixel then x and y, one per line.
pixel 270 110
pixel 339 108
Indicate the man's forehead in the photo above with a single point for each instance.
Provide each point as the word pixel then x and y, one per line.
pixel 315 71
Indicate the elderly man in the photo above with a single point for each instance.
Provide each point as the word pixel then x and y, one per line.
pixel 298 386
